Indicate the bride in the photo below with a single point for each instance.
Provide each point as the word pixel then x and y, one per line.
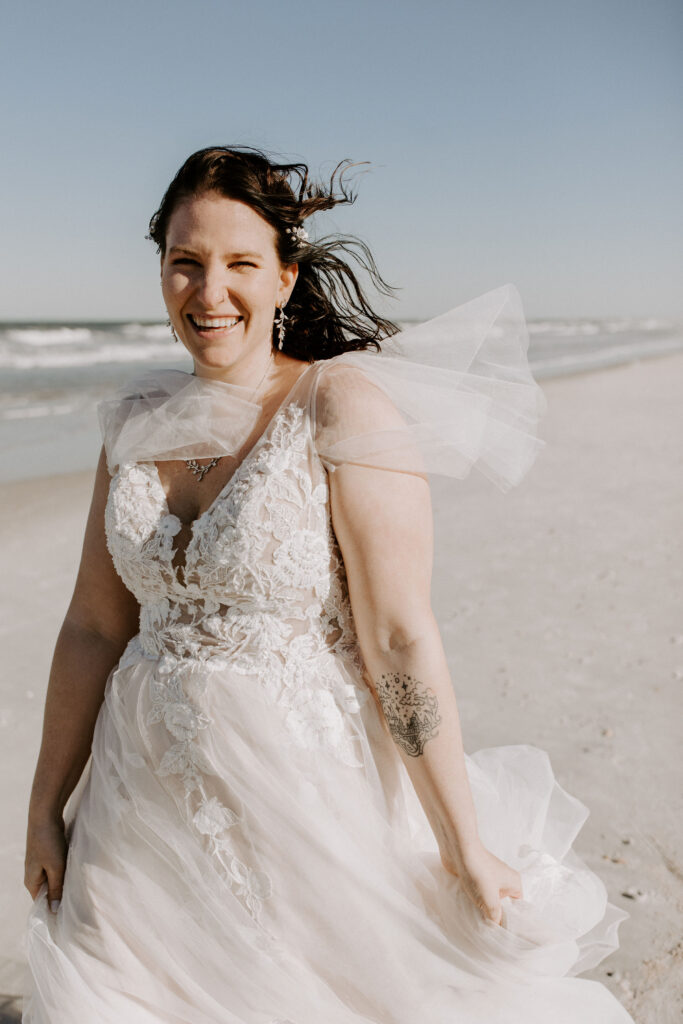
pixel 271 818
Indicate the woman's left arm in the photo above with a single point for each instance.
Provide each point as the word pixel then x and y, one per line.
pixel 383 523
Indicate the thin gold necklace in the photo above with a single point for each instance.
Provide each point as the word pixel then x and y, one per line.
pixel 201 471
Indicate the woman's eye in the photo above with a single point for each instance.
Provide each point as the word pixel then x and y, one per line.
pixel 185 259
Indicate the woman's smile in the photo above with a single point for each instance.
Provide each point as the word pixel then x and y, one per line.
pixel 209 327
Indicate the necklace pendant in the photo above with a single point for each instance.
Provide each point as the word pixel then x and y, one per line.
pixel 192 464
pixel 201 471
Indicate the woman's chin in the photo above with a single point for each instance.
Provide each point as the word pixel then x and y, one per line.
pixel 215 358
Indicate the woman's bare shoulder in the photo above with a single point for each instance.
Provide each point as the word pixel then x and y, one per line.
pixel 348 392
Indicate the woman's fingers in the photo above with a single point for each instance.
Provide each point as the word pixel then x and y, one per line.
pixel 33 879
pixel 488 880
pixel 511 883
pixel 513 889
pixel 487 900
pixel 46 852
pixel 492 910
pixel 55 882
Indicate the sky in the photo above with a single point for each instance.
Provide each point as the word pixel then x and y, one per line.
pixel 538 142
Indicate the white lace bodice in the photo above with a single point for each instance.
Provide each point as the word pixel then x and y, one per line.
pixel 263 585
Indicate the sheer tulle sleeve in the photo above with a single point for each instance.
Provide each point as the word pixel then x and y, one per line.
pixel 169 414
pixel 448 394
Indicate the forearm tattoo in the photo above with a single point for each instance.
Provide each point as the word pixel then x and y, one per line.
pixel 411 710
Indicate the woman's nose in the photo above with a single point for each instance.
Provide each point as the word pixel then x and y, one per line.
pixel 213 287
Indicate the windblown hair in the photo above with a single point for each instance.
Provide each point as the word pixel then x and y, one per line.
pixel 328 311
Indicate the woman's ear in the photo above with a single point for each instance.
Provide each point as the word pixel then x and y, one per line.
pixel 288 276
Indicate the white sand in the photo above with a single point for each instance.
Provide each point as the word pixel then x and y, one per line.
pixel 557 603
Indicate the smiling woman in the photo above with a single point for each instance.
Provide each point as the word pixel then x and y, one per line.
pixel 260 234
pixel 278 787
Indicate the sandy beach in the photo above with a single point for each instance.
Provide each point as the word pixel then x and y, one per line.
pixel 557 603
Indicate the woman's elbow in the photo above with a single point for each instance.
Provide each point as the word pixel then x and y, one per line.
pixel 396 635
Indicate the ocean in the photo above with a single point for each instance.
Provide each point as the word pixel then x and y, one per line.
pixel 53 374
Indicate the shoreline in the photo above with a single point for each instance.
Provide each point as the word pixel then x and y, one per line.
pixel 556 603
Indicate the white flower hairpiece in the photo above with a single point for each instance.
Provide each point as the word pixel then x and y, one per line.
pixel 299 233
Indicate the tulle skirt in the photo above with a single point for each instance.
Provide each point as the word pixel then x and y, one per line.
pixel 285 873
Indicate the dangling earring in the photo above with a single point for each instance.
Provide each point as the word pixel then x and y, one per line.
pixel 280 324
pixel 169 324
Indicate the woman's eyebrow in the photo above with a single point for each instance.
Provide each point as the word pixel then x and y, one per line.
pixel 233 255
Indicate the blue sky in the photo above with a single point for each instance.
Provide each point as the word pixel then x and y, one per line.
pixel 532 141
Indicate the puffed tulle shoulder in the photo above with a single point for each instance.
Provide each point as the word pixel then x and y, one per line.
pixel 170 414
pixel 441 397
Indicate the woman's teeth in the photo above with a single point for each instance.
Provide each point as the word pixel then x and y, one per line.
pixel 211 321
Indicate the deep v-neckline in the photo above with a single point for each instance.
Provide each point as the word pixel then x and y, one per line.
pixel 225 489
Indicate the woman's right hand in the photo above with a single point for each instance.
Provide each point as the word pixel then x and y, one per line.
pixel 46 850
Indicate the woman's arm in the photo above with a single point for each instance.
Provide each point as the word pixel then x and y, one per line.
pixel 383 522
pixel 101 618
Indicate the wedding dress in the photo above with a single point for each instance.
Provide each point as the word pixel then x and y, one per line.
pixel 247 847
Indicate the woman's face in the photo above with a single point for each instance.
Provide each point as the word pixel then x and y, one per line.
pixel 221 279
